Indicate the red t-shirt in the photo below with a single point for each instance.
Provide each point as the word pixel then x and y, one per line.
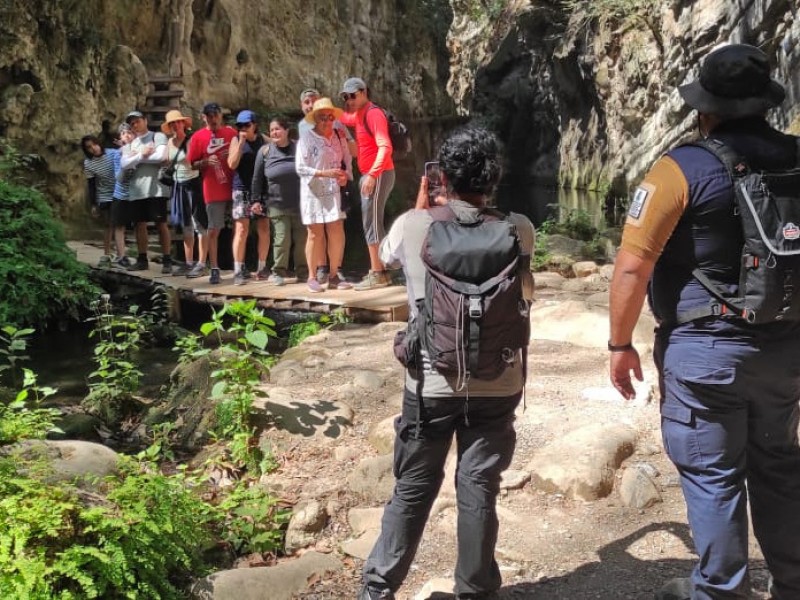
pixel 218 179
pixel 368 144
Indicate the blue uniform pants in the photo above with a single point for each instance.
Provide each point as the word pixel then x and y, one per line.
pixel 729 418
pixel 485 440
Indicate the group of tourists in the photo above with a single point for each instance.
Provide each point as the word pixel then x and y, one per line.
pixel 728 336
pixel 292 190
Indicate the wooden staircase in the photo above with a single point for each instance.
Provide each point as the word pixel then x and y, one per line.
pixel 164 94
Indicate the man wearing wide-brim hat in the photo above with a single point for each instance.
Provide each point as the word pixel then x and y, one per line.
pixel 729 387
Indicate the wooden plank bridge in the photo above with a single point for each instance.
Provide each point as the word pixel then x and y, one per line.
pixel 371 306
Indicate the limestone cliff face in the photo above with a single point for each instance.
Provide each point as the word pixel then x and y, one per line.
pixel 72 67
pixel 586 101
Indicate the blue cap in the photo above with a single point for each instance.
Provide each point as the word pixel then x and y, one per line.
pixel 246 116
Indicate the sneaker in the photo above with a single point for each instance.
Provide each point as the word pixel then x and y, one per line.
pixel 105 261
pixel 246 273
pixel 336 283
pixel 198 270
pixel 181 269
pixel 141 264
pixel 373 280
pixel 239 278
pixel 322 275
pixel 276 279
pixel 368 593
pixel 166 266
pixel 123 262
pixel 315 286
pixel 215 277
pixel 262 274
pixel 679 588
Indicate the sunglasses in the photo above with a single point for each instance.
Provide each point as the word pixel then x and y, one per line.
pixel 325 118
pixel 349 96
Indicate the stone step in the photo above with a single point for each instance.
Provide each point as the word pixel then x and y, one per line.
pixel 165 94
pixel 165 79
pixel 158 109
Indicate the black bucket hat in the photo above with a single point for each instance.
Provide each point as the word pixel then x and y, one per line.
pixel 734 82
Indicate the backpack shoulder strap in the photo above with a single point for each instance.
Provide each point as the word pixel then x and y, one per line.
pixel 442 213
pixel 366 125
pixel 798 151
pixel 734 163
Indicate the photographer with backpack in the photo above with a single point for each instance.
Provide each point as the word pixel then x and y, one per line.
pixel 712 239
pixel 465 369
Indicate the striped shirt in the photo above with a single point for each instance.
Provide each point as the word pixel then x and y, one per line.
pixel 101 169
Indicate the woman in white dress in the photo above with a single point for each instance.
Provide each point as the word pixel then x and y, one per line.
pixel 324 165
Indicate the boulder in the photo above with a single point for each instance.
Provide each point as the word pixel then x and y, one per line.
pixel 582 464
pixel 71 460
pixel 373 478
pixel 308 519
pixel 281 582
pixel 381 436
pixel 637 490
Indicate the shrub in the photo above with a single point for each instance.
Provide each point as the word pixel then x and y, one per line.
pixel 40 278
pixel 142 541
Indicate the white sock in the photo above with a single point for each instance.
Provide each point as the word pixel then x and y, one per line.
pixel 237 267
pixel 262 264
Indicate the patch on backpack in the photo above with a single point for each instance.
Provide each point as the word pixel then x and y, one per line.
pixel 638 201
pixel 791 231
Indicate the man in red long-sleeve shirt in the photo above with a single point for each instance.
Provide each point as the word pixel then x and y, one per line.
pixel 377 171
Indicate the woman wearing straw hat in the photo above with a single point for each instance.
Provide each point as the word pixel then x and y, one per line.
pixel 187 195
pixel 324 165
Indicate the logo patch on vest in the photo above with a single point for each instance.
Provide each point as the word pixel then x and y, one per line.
pixel 637 203
pixel 791 231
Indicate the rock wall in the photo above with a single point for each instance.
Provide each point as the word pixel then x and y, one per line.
pixel 588 101
pixel 72 67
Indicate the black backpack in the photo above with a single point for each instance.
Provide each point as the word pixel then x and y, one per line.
pixel 398 133
pixel 768 204
pixel 474 320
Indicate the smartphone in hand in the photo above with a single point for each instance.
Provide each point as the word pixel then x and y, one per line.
pixel 435 187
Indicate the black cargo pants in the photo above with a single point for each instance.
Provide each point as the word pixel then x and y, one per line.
pixel 485 439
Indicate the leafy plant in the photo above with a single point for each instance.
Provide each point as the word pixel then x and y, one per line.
pixel 255 520
pixel 143 540
pixel 116 378
pixel 300 331
pixel 13 348
pixel 243 332
pixel 40 278
pixel 20 421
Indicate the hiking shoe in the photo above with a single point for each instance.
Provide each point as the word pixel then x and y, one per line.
pixel 239 278
pixel 337 283
pixel 373 280
pixel 263 275
pixel 276 279
pixel 105 261
pixel 198 270
pixel 141 264
pixel 368 593
pixel 679 588
pixel 166 266
pixel 215 277
pixel 181 269
pixel 322 275
pixel 315 286
pixel 123 262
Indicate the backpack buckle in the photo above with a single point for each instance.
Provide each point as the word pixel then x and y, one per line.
pixel 475 308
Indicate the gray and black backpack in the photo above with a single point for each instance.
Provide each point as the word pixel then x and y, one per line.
pixel 768 204
pixel 473 321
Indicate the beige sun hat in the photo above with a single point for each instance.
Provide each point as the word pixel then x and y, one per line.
pixel 172 116
pixel 324 104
